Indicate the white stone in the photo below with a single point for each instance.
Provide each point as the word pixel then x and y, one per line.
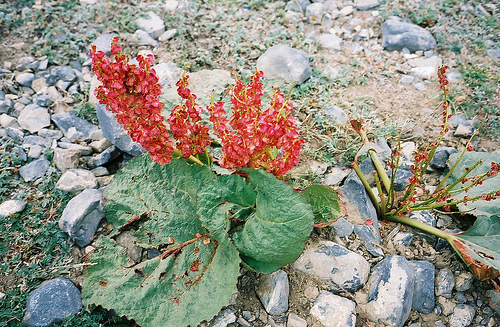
pixel 346 11
pixel 76 180
pixel 330 41
pixel 334 311
pixel 33 118
pixel 153 25
pixel 7 121
pixel 11 206
pixel 144 38
pixel 167 35
pixel 295 321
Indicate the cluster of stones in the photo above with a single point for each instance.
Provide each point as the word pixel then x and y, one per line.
pixel 36 115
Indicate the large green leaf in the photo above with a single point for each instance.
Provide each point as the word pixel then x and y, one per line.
pixel 191 280
pixel 480 207
pixel 326 204
pixel 274 235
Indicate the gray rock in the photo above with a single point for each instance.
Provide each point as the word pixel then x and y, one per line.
pixel 76 180
pixel 420 86
pixel 397 35
pixel 65 159
pixel 34 170
pixel 8 121
pixel 15 134
pixel 65 73
pixel 82 215
pixel 462 315
pixel 336 176
pixel 402 179
pixel 104 157
pixel 299 5
pixel 403 239
pixel 51 302
pixel 100 145
pixel 115 132
pixel 390 291
pixel 103 42
pixel 25 79
pixel 5 106
pixel 336 115
pixel 463 282
pixel 370 238
pixel 224 318
pixel 427 218
pixel 314 13
pixel 66 120
pixel 84 150
pixel 407 79
pixel 143 38
pixel 334 311
pixel 346 11
pixel 330 41
pixel 53 134
pixel 39 85
pixel 273 292
pixel 35 151
pixel 441 157
pixel 295 321
pixel 62 85
pixel 494 53
pixel 284 62
pixel 354 191
pixel 423 296
pixel 168 73
pixel 167 35
pixel 464 130
pixel 33 118
pixel 153 25
pixel 445 281
pixel 242 322
pixel 366 4
pixel 43 100
pixel 342 227
pixel 31 140
pixel 343 269
pixel 10 207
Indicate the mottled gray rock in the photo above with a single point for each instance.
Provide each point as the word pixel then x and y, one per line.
pixel 65 159
pixel 51 302
pixel 31 140
pixel 10 207
pixel 390 291
pixel 299 5
pixel 65 121
pixel 445 281
pixel 15 133
pixel 441 156
pixel 366 4
pixel 336 115
pixel 35 151
pixel 5 106
pixel 284 62
pixel 33 118
pixel 82 215
pixel 104 157
pixel 314 13
pixel 397 35
pixel 83 149
pixel 224 318
pixel 167 35
pixel 100 145
pixel 342 227
pixel 103 42
pixel 76 180
pixel 343 269
pixel 43 100
pixel 494 53
pixel 346 11
pixel 273 292
pixel 8 121
pixel 371 238
pixel 168 73
pixel 53 134
pixel 330 41
pixel 462 315
pixel 423 296
pixel 356 194
pixel 403 239
pixel 402 179
pixel 334 311
pixel 464 130
pixel 295 321
pixel 336 176
pixel 115 132
pixel 427 218
pixel 153 25
pixel 34 170
pixel 25 79
pixel 463 281
pixel 143 38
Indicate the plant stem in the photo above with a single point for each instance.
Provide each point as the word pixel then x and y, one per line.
pixel 426 228
pixel 368 190
pixel 380 169
pixel 191 158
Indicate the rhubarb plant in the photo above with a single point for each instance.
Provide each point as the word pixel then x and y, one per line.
pixel 179 231
pixel 470 185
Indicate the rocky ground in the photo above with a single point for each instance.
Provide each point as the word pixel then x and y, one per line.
pixel 339 59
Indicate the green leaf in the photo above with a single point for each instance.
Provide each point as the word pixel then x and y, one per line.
pixel 191 281
pixel 481 242
pixel 274 235
pixel 480 207
pixel 326 203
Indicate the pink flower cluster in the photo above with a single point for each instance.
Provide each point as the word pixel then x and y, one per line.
pixel 253 137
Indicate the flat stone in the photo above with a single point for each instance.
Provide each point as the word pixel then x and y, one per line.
pixel 84 150
pixel 168 74
pixel 15 133
pixel 76 180
pixel 334 311
pixel 463 130
pixel 445 282
pixel 427 218
pixel 53 301
pixel 354 191
pixel 53 134
pixel 439 161
pixel 11 207
pixel 31 140
pixel 103 42
pixel 342 227
pixel 336 115
pixel 153 25
pixel 336 176
pixel 104 157
pixel 284 62
pixel 295 321
pixel 115 132
pixel 43 100
pixel 82 215
pixel 423 296
pixel 65 121
pixel 34 170
pixel 8 121
pixel 299 5
pixel 143 38
pixel 273 292
pixel 330 41
pixel 25 79
pixel 5 106
pixel 35 151
pixel 224 318
pixel 100 145
pixel 462 315
pixel 397 35
pixel 402 179
pixel 33 118
pixel 463 282
pixel 494 53
pixel 390 291
pixel 314 13
pixel 65 73
pixel 65 159
pixel 343 269
pixel 366 4
pixel 371 238
pixel 167 35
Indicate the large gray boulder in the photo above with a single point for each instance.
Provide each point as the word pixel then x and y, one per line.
pixel 284 62
pixel 397 35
